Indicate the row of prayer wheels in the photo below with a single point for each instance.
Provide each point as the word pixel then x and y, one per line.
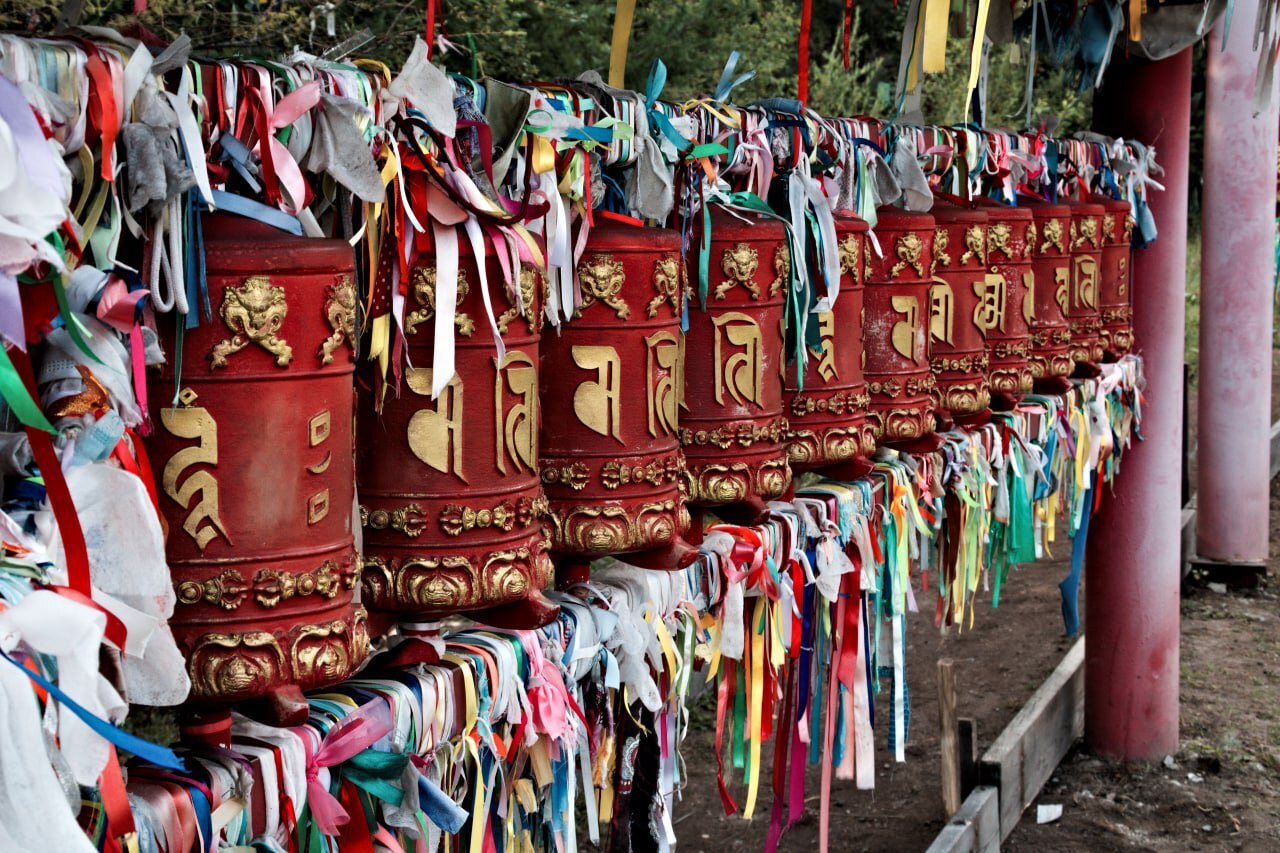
pixel 589 440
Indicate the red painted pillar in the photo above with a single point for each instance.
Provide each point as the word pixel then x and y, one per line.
pixel 1133 563
pixel 1234 457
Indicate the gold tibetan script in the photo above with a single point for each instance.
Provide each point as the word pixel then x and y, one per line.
pixel 1086 282
pixel 515 381
pixel 942 306
pixel 318 429
pixel 827 342
pixel 435 433
pixel 662 375
pixel 1029 297
pixel 194 422
pixel 1062 288
pixel 740 371
pixel 597 403
pixel 993 296
pixel 903 335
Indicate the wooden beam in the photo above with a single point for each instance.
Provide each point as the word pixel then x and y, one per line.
pixel 950 736
pixel 968 729
pixel 973 829
pixel 1029 749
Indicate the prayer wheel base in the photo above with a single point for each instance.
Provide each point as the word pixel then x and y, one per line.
pixel 975 419
pixel 854 469
pixel 1086 370
pixel 530 613
pixel 205 728
pixel 674 557
pixel 928 443
pixel 1053 385
pixel 283 706
pixel 1003 402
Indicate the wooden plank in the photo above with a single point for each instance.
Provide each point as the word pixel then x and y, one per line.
pixel 1026 753
pixel 949 736
pixel 975 827
pixel 968 729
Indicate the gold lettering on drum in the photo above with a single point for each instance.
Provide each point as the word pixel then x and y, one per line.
pixel 942 301
pixel 827 342
pixel 318 429
pixel 190 421
pixel 903 336
pixel 662 375
pixel 740 372
pixel 516 427
pixel 1029 297
pixel 993 296
pixel 1062 288
pixel 1086 282
pixel 435 434
pixel 597 403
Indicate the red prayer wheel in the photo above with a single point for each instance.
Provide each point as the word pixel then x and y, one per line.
pixel 253 456
pixel 1086 264
pixel 733 427
pixel 1115 296
pixel 965 301
pixel 1050 248
pixel 828 417
pixel 894 329
pixel 450 500
pixel 1009 337
pixel 611 461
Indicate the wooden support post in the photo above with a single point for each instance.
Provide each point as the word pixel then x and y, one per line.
pixel 950 736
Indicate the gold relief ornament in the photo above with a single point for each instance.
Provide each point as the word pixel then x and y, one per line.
pixel 739 264
pixel 837 404
pixel 506 516
pixel 941 240
pixel 1053 236
pixel 612 529
pixel 781 269
pixel 743 434
pixel 1109 227
pixel 909 249
pixel 523 303
pixel 602 279
pixel 340 311
pixel 1031 240
pixel 407 519
pixel 866 260
pixel 253 313
pixel 773 478
pixel 848 251
pixel 423 291
pixel 574 475
pixel 998 237
pixel 1088 232
pixel 452 582
pixel 717 483
pixel 226 666
pixel 666 281
pixel 269 587
pixel 614 474
pixel 975 245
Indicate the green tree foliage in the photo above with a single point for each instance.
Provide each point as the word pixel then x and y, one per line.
pixel 558 39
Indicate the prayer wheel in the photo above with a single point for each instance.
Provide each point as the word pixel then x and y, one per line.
pixel 965 301
pixel 1086 263
pixel 894 329
pixel 450 497
pixel 252 451
pixel 828 417
pixel 733 428
pixel 611 461
pixel 1115 296
pixel 1049 241
pixel 1009 338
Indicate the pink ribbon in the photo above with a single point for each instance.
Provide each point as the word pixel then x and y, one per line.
pixel 354 734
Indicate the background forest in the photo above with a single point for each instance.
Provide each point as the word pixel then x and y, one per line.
pixel 550 39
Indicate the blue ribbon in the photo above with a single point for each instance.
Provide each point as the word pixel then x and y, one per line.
pixel 161 756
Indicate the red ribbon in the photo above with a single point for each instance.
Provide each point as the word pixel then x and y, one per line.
pixel 806 19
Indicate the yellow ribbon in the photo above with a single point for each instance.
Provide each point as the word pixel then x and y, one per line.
pixel 624 14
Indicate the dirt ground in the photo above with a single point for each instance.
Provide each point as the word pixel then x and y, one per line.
pixel 1221 790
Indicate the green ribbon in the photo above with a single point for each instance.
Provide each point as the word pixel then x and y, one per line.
pixel 377 773
pixel 18 400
